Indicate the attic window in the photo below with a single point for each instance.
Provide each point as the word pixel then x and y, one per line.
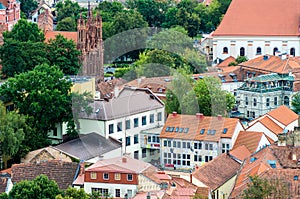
pixel 208 132
pixel 252 159
pixel 272 163
pixel 213 132
pixel 202 131
pixel 180 130
pixel 186 130
pixel 176 129
pixel 167 129
pixel 296 178
pixel 171 129
pixel 225 130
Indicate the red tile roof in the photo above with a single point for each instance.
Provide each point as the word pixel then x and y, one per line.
pixel 240 152
pixel 216 172
pixel 250 139
pixel 267 18
pixel 283 115
pixel 271 125
pixel 195 124
pixel 226 62
pixel 69 35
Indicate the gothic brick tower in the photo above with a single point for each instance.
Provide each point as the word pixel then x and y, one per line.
pixel 9 15
pixel 90 44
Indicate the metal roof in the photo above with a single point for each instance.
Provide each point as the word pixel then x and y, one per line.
pixel 271 77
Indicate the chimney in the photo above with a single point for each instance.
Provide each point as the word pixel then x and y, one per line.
pixel 191 177
pixel 174 113
pixel 199 115
pixel 219 117
pixel 81 172
pixel 124 159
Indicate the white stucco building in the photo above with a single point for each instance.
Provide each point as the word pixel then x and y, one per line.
pixel 253 28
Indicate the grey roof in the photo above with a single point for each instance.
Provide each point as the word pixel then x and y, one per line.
pixel 89 146
pixel 130 101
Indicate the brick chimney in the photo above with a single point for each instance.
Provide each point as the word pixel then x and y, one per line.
pixel 174 113
pixel 191 177
pixel 124 159
pixel 199 115
pixel 82 168
pixel 219 117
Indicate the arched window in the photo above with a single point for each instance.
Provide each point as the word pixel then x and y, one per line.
pixel 286 100
pixel 258 50
pixel 242 51
pixel 225 50
pixel 275 50
pixel 254 102
pixel 292 52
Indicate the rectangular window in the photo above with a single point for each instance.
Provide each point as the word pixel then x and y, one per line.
pixel 111 128
pixel 136 122
pixel 174 143
pixel 144 120
pixel 127 124
pixel 119 126
pixel 211 147
pixel 268 102
pixel 127 140
pixel 151 118
pixel 118 193
pixel 165 142
pixel 144 153
pixel 159 116
pixel 206 146
pixel 188 145
pixel 93 175
pixel 136 155
pixel 136 139
pixel 169 143
pixel 152 151
pixel 129 177
pixel 55 132
pixel 178 144
pixel 275 101
pixel 105 176
pixel 184 145
pixel 117 176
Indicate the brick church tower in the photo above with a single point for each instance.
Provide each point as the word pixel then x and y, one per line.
pixel 9 15
pixel 90 44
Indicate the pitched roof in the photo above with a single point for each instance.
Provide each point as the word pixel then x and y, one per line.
pixel 69 35
pixel 257 164
pixel 283 115
pixel 284 155
pixel 130 101
pixel 45 154
pixel 240 152
pixel 88 146
pixel 267 18
pixel 226 62
pixel 273 64
pixel 216 172
pixel 121 164
pixel 182 190
pixel 61 172
pixel 271 125
pixel 214 127
pixel 250 139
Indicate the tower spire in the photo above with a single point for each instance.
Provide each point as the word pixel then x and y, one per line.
pixel 89 9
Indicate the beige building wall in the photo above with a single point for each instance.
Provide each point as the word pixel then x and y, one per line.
pixel 87 85
pixel 224 190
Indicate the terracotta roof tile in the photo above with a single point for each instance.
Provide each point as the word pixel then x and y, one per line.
pixel 226 62
pixel 61 172
pixel 250 139
pixel 216 172
pixel 195 124
pixel 283 115
pixel 271 125
pixel 69 35
pixel 268 18
pixel 240 152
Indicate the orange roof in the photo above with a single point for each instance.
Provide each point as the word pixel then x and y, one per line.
pixel 226 62
pixel 212 176
pixel 271 125
pixel 249 139
pixel 240 152
pixel 195 124
pixel 267 18
pixel 274 64
pixel 283 115
pixel 69 35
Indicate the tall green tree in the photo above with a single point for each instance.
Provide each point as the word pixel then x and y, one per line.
pixel 109 9
pixel 39 188
pixel 66 24
pixel 44 95
pixel 296 103
pixel 63 53
pixel 25 31
pixel 73 193
pixel 68 8
pixel 153 11
pixel 27 6
pixel 12 128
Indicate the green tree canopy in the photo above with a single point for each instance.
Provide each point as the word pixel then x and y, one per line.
pixel 73 193
pixel 66 24
pixel 12 128
pixel 39 188
pixel 109 9
pixel 27 6
pixel 24 31
pixel 296 103
pixel 44 95
pixel 63 53
pixel 68 8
